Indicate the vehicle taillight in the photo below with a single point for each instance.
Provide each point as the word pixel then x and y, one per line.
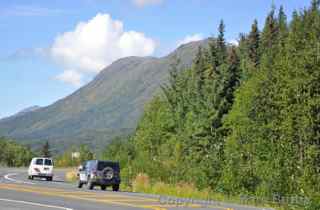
pixel 36 169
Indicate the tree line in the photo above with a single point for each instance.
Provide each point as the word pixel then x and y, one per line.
pixel 243 119
pixel 13 154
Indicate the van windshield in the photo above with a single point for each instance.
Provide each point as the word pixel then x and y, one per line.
pixel 39 161
pixel 48 162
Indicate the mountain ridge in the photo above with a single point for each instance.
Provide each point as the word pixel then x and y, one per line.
pixel 108 106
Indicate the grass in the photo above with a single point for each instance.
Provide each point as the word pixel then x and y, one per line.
pixel 143 183
pixel 71 175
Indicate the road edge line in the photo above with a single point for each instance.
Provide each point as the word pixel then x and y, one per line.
pixel 34 204
pixel 7 177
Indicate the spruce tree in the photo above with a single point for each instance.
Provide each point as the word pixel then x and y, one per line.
pixel 282 19
pixel 253 44
pixel 269 36
pixel 221 44
pixel 199 74
pixel 45 151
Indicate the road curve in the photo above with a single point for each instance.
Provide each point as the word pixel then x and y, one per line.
pixel 17 192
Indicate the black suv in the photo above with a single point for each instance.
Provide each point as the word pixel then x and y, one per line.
pixel 101 173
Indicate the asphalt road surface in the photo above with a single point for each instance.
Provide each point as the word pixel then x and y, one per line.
pixel 19 193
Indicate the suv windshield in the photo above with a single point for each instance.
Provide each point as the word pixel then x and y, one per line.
pixel 48 162
pixel 39 161
pixel 104 164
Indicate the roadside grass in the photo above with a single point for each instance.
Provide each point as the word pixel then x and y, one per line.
pixel 71 175
pixel 142 183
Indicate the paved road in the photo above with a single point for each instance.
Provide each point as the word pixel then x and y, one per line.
pixel 19 193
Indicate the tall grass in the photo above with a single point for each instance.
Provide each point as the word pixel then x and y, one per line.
pixel 143 183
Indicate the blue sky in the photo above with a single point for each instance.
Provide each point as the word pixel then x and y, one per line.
pixel 41 40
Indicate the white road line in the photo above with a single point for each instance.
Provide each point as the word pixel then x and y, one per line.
pixel 34 204
pixel 7 177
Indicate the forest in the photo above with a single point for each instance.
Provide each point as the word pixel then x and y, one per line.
pixel 244 119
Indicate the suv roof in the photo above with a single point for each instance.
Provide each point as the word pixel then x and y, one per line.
pixel 101 164
pixel 107 161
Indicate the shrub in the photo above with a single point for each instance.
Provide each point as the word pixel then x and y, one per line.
pixel 141 183
pixel 161 188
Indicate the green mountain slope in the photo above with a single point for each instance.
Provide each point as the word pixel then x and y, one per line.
pixel 108 106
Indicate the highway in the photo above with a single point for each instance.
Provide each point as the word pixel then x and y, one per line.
pixel 19 193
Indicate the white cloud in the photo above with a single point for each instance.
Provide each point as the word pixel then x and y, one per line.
pixel 142 3
pixel 94 44
pixel 190 38
pixel 72 77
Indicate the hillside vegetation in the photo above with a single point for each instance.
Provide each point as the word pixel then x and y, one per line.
pixel 241 120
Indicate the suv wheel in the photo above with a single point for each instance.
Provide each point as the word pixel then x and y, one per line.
pixel 103 187
pixel 115 187
pixel 80 184
pixel 90 185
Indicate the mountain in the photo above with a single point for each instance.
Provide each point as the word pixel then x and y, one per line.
pixel 22 112
pixel 107 107
pixel 26 110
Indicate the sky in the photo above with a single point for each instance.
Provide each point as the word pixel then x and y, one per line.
pixel 48 49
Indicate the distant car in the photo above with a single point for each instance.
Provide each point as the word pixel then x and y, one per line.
pixel 41 167
pixel 99 173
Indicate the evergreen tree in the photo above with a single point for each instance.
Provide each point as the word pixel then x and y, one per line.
pixel 253 44
pixel 199 74
pixel 315 5
pixel 45 151
pixel 221 45
pixel 85 153
pixel 171 89
pixel 270 32
pixel 213 55
pixel 282 19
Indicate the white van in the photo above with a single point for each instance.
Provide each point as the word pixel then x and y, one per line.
pixel 41 167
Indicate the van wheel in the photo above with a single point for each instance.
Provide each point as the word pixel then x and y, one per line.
pixel 90 185
pixel 115 187
pixel 103 187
